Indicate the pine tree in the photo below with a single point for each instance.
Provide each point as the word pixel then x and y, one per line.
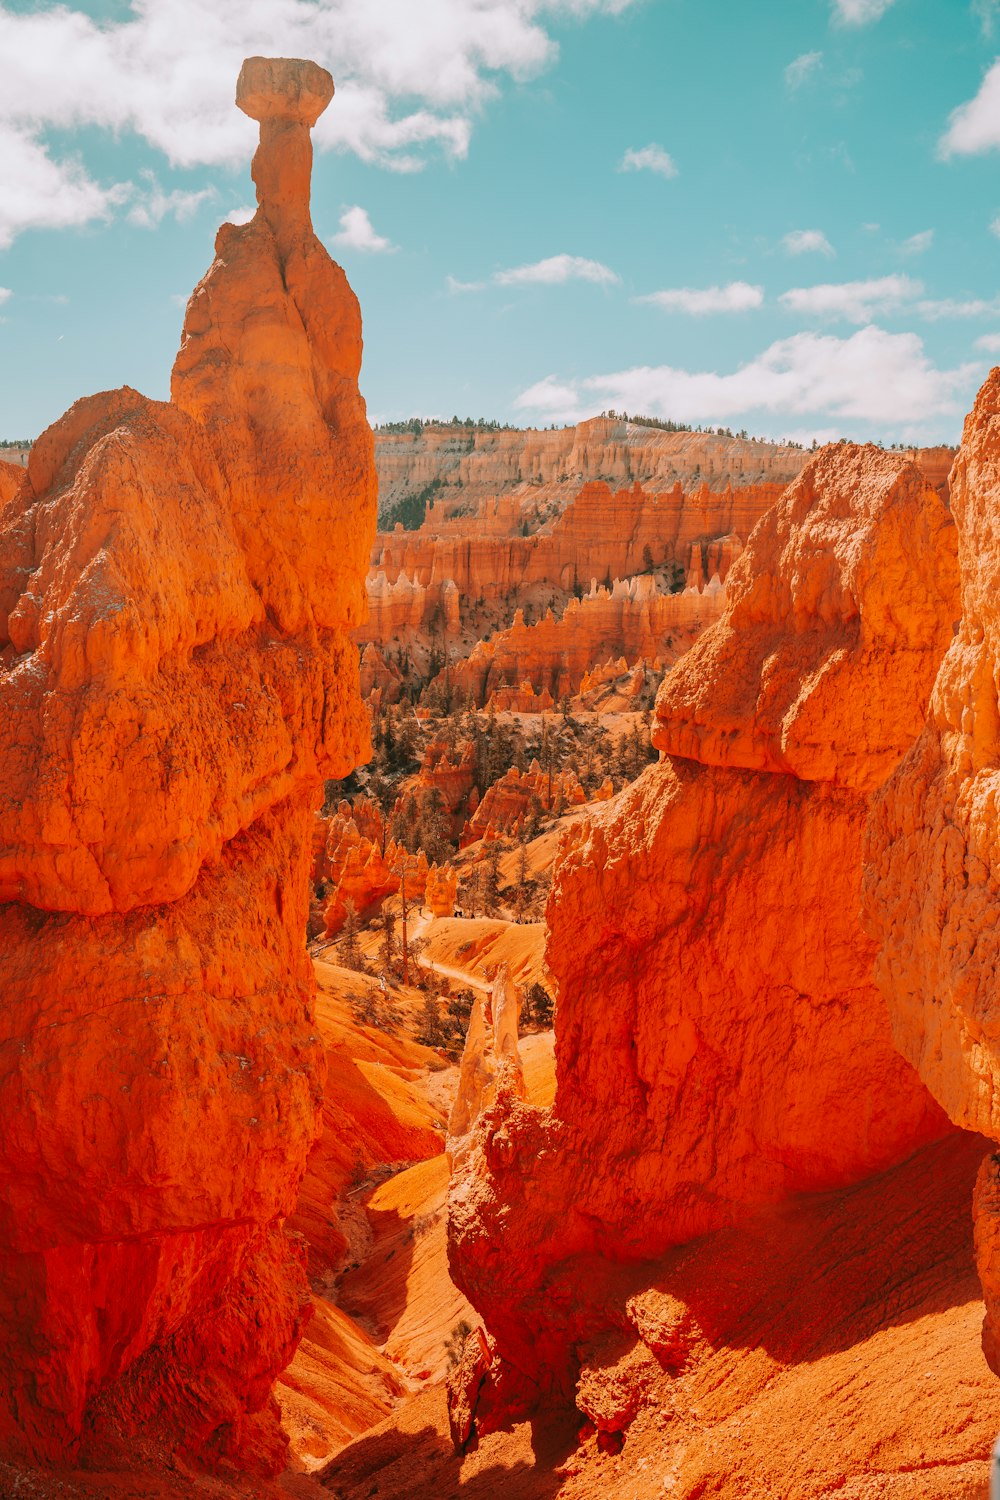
pixel 349 948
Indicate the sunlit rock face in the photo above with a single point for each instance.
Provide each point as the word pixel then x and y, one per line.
pixel 932 883
pixel 176 679
pixel 720 1043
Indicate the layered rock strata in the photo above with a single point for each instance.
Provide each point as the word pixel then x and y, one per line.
pixel 478 465
pixel 698 1071
pixel 419 579
pixel 176 679
pixel 633 618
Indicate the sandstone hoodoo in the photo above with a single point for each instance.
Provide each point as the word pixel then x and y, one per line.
pixel 176 679
pixel 698 1070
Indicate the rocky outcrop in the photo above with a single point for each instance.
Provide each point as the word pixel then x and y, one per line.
pixel 356 870
pixel 471 465
pixel 441 890
pixel 405 607
pixel 602 534
pixel 633 619
pixel 932 886
pixel 507 804
pixel 176 679
pixel 520 700
pixel 10 481
pixel 444 786
pixel 379 677
pixel 357 864
pixel 698 1072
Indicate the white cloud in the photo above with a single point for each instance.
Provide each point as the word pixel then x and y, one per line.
pixel 456 287
pixel 165 70
pixel 5 293
pixel 975 126
pixel 949 307
pixel 872 377
pixel 854 301
pixel 860 12
pixel 995 227
pixel 555 270
pixel 917 244
pixel 802 69
pixel 989 343
pixel 241 215
pixel 153 205
pixel 651 158
pixel 358 233
pixel 39 193
pixel 551 401
pixel 807 241
pixel 737 296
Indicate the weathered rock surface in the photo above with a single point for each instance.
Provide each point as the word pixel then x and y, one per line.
pixel 474 466
pixel 508 803
pixel 633 619
pixel 826 1348
pixel 423 578
pixel 932 880
pixel 176 678
pixel 715 1008
pixel 10 481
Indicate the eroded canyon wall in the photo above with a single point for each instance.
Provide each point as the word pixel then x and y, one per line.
pixel 176 679
pixel 471 465
pixel 601 535
pixel 715 1002
pixel 932 879
pixel 633 619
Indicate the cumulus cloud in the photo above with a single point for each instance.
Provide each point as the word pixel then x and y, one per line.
pixel 456 287
pixel 807 242
pixel 164 70
pixel 854 301
pixel 240 215
pixel 860 12
pixel 802 68
pixel 989 343
pixel 974 127
pixel 917 244
pixel 37 192
pixel 737 296
pixel 555 270
pixel 153 205
pixel 551 401
pixel 872 377
pixel 5 293
pixel 358 233
pixel 651 158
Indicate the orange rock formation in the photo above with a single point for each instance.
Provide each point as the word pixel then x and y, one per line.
pixel 507 804
pixel 715 1009
pixel 632 619
pixel 360 864
pixel 475 466
pixel 10 481
pixel 177 678
pixel 421 580
pixel 933 852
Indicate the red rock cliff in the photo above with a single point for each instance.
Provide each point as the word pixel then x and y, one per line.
pixel 932 884
pixel 176 678
pixel 715 1008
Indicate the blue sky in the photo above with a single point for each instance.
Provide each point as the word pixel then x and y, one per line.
pixel 781 215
